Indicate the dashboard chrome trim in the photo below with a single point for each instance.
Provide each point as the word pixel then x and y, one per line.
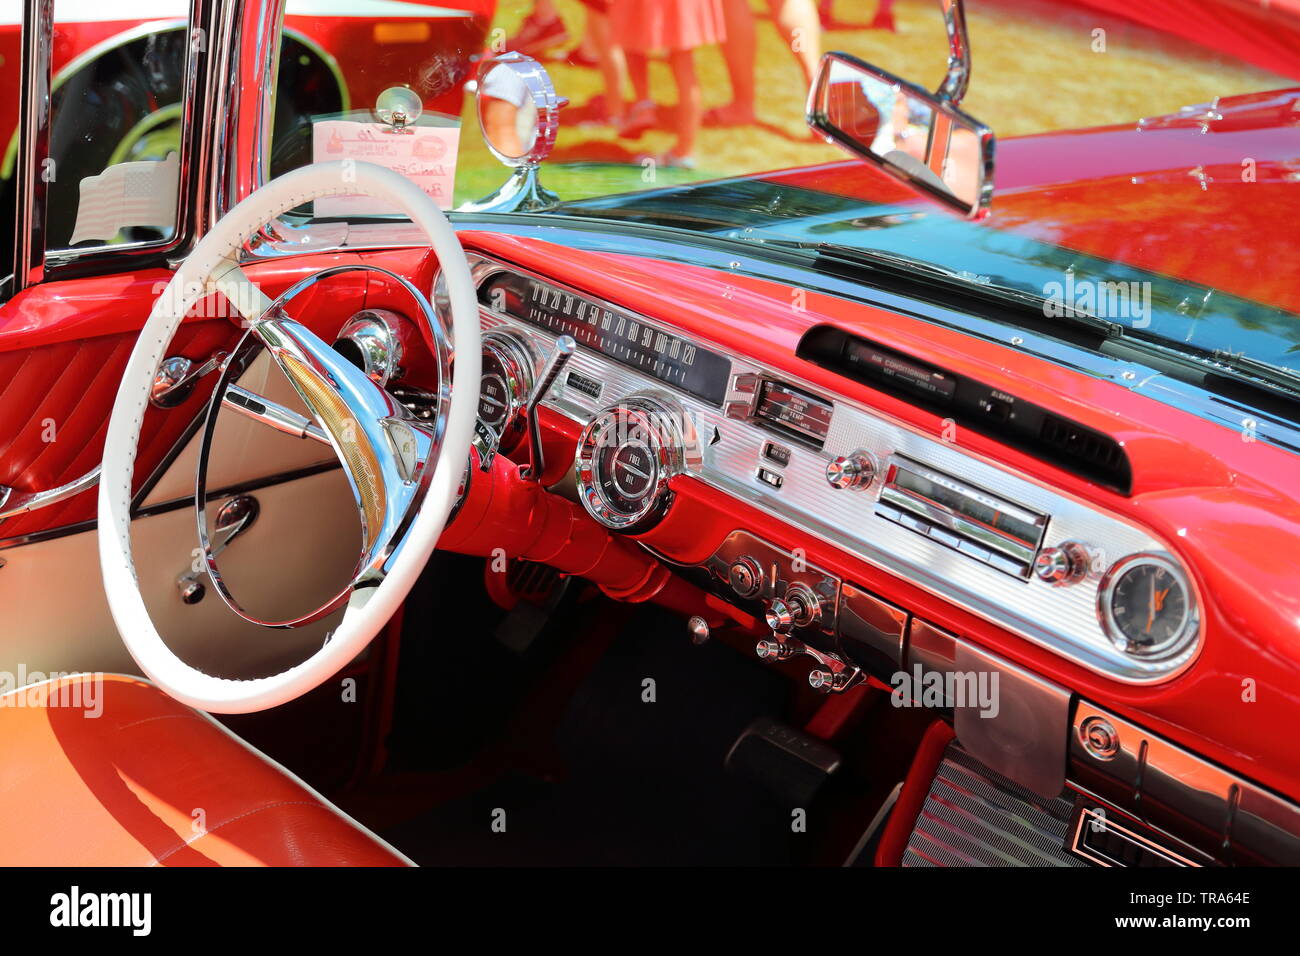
pixel 1063 620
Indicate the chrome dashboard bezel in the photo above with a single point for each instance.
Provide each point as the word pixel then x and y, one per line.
pixel 1061 620
pixel 667 435
pixel 520 365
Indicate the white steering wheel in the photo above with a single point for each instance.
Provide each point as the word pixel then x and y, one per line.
pixel 404 474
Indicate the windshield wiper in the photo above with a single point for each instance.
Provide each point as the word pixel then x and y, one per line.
pixel 898 262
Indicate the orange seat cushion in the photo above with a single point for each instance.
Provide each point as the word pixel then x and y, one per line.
pixel 107 770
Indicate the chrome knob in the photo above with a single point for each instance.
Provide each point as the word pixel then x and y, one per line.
pixel 804 603
pixel 828 681
pixel 777 650
pixel 1062 565
pixel 745 576
pixel 191 589
pixel 852 471
pixel 699 629
pixel 781 616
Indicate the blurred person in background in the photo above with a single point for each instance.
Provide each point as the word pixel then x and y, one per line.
pixel 541 30
pixel 644 27
pixel 883 20
pixel 800 27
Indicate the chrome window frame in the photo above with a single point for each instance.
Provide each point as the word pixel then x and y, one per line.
pixel 33 263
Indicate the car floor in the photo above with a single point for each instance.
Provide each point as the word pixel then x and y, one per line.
pixel 599 741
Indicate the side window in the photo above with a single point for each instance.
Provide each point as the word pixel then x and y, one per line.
pixel 113 168
pixel 11 27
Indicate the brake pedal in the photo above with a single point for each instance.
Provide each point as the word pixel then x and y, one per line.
pixel 790 765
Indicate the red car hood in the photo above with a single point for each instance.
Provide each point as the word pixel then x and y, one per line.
pixel 1210 195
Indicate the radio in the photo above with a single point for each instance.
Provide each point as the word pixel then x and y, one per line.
pixel 998 532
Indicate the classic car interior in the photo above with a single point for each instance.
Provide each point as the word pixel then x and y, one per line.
pixel 336 530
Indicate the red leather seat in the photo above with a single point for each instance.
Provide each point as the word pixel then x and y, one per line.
pixel 107 770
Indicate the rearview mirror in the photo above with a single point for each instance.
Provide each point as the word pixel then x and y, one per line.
pixel 919 137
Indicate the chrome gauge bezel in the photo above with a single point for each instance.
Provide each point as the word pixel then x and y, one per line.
pixel 664 429
pixel 1189 628
pixel 519 363
pixel 376 337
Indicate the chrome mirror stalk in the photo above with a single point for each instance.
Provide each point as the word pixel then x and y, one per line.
pixel 957 79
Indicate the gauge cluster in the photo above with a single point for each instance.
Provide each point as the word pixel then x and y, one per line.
pixel 627 455
pixel 1050 568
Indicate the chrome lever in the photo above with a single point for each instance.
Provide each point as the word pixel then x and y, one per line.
pixel 263 410
pixel 233 518
pixel 564 348
pixel 176 376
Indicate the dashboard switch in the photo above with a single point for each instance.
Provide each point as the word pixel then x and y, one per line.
pixel 851 471
pixel 780 616
pixel 778 650
pixel 829 681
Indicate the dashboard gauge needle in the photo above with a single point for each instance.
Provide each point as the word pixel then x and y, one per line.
pixel 1151 607
pixel 626 467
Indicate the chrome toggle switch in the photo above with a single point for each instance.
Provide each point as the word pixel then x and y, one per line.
pixel 771 650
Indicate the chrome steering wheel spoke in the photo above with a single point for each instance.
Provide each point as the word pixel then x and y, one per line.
pixel 388 455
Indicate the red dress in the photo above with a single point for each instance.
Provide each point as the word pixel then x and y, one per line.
pixel 649 26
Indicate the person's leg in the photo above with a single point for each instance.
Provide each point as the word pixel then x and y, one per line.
pixel 687 124
pixel 541 30
pixel 642 114
pixel 739 50
pixel 884 18
pixel 638 71
pixel 802 30
pixel 612 64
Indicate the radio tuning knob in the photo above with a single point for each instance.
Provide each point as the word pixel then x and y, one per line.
pixel 1062 565
pixel 857 470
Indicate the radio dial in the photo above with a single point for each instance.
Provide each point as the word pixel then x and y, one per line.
pixel 852 471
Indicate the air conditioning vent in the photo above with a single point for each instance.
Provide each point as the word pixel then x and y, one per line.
pixel 1089 448
pixel 1031 428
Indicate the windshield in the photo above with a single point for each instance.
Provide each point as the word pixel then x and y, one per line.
pixel 1118 200
pixel 689 115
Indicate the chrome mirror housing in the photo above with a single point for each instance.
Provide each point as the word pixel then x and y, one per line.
pixel 519 115
pixel 918 137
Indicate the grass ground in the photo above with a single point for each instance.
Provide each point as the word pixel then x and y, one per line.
pixel 1034 69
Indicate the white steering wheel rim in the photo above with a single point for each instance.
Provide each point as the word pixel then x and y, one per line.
pixel 210 263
